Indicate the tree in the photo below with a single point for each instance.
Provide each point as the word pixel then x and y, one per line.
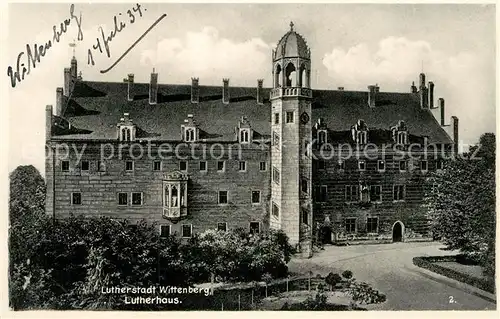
pixel 461 203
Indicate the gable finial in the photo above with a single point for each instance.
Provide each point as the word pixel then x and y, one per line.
pixel 291 25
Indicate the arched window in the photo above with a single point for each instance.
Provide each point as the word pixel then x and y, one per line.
pixel 277 76
pixel 291 78
pixel 362 137
pixel 402 138
pixel 303 76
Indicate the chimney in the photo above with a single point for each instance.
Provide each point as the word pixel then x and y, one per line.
pixel 441 107
pixel 59 101
pixel 74 68
pixel 340 88
pixel 260 95
pixel 195 90
pixel 431 95
pixel 225 91
pixel 130 87
pixel 153 88
pixel 372 94
pixel 48 122
pixel 413 87
pixel 454 123
pixel 67 81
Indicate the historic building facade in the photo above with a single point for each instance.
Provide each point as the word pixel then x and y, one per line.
pixel 325 164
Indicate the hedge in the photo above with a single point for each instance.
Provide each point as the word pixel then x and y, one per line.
pixel 429 264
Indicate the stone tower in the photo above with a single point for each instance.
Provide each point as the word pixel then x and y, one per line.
pixel 291 164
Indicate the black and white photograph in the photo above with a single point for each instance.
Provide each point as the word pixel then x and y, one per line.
pixel 249 157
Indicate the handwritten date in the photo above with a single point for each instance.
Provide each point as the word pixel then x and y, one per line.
pixel 103 41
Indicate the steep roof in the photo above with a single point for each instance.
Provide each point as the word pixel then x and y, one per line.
pixel 95 108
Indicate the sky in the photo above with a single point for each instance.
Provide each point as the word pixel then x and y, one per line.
pixel 352 45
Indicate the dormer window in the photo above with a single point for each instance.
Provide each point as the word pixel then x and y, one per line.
pixel 189 130
pixel 189 135
pixel 244 131
pixel 126 129
pixel 400 133
pixel 359 132
pixel 321 132
pixel 244 136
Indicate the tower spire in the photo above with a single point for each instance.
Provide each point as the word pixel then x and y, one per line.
pixel 73 45
pixel 291 25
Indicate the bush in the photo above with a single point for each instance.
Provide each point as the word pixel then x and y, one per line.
pixel 347 274
pixel 363 293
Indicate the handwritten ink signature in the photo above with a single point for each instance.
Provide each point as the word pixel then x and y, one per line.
pixel 39 51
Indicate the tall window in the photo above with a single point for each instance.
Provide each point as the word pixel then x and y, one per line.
pixel 372 225
pixel 203 166
pixel 255 197
pixel 399 192
pixel 65 166
pixel 187 231
pixel 189 135
pixel 341 165
pixel 289 117
pixel 321 164
pixel 402 137
pixel 164 231
pixel 381 165
pixel 76 198
pixel 101 166
pixel 304 185
pixel 263 166
pixel 275 210
pixel 376 193
pixel 439 164
pixel 129 166
pixel 276 118
pixel 321 193
pixel 276 175
pixel 254 227
pixel 362 165
pixel 423 165
pixel 122 199
pixel 183 166
pixel 276 139
pixel 222 226
pixel 85 165
pixel 244 136
pixel 350 225
pixel 136 199
pixel 351 193
pixel 156 166
pixel 242 166
pixel 402 165
pixel 221 166
pixel 362 137
pixel 222 197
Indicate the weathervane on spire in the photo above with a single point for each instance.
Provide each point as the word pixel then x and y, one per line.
pixel 291 25
pixel 73 45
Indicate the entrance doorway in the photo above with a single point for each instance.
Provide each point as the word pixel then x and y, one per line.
pixel 326 235
pixel 397 232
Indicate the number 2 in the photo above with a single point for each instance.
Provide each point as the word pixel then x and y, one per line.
pixel 452 300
